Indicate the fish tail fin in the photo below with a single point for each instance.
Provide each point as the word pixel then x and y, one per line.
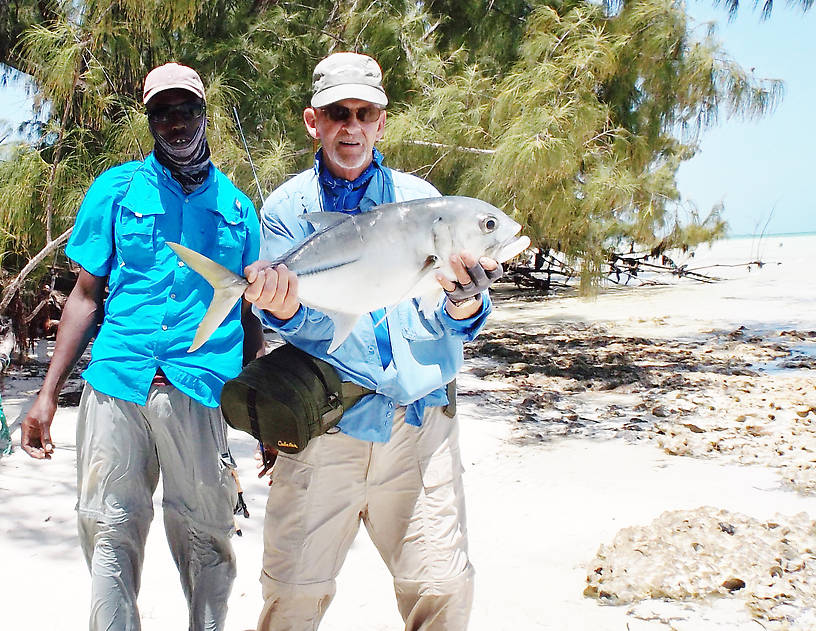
pixel 227 286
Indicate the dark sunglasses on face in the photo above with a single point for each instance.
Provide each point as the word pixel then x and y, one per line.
pixel 337 113
pixel 185 111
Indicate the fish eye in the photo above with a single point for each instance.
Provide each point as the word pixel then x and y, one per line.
pixel 488 224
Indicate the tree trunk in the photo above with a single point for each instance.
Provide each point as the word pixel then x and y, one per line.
pixel 14 286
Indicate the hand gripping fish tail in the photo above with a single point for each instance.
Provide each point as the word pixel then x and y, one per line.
pixel 405 243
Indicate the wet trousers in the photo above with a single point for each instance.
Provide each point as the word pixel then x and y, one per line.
pixel 408 493
pixel 121 447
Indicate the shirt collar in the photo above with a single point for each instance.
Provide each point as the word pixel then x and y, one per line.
pixel 217 199
pixel 163 173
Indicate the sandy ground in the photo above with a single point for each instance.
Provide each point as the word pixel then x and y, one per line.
pixel 586 424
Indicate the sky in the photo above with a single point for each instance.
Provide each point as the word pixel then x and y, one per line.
pixel 760 170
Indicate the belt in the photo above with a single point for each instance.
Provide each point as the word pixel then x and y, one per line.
pixel 160 379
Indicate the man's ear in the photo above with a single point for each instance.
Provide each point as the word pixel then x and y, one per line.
pixel 381 126
pixel 310 119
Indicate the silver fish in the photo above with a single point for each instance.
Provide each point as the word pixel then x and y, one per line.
pixel 355 264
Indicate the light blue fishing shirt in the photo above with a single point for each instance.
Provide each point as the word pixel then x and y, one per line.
pixel 426 353
pixel 155 302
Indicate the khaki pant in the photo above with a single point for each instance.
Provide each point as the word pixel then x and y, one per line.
pixel 121 447
pixel 408 492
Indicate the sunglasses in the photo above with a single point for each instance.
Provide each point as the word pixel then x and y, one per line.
pixel 338 113
pixel 185 111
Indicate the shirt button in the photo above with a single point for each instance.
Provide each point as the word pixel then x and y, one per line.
pixel 370 349
pixel 164 327
pixel 390 404
pixel 186 201
pixel 181 263
pixel 173 296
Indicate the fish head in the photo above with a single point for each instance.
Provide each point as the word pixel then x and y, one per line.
pixel 472 225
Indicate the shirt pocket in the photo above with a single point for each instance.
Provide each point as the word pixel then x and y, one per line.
pixel 136 236
pixel 230 240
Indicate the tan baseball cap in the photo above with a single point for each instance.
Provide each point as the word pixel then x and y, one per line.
pixel 169 76
pixel 347 76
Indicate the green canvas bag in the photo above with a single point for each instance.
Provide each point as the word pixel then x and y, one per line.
pixel 286 398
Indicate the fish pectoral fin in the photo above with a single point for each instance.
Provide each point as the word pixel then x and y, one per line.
pixel 416 288
pixel 223 301
pixel 324 220
pixel 429 301
pixel 344 324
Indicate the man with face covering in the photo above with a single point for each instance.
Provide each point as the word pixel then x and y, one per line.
pixel 148 405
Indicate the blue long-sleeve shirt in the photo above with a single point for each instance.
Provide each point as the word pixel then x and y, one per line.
pixel 426 352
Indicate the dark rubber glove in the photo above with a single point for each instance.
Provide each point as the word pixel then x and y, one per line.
pixel 480 279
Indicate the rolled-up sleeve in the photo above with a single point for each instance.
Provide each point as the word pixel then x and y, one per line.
pixel 91 244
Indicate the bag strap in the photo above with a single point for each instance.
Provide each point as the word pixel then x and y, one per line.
pixel 450 408
pixel 352 393
pixel 334 399
pixel 252 412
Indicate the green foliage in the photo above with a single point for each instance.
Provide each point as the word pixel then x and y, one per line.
pixel 579 139
pixel 572 115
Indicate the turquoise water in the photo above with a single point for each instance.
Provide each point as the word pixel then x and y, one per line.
pixel 766 236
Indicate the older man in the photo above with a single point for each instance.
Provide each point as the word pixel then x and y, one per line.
pixel 395 462
pixel 149 405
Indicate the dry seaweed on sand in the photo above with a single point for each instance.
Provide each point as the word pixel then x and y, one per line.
pixel 726 394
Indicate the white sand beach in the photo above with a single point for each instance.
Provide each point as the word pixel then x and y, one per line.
pixel 579 418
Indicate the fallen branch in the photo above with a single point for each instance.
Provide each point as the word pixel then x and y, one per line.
pixel 14 286
pixel 439 145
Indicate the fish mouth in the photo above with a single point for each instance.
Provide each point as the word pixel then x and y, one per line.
pixel 513 246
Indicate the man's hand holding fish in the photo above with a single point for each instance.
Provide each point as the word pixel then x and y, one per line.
pixel 273 288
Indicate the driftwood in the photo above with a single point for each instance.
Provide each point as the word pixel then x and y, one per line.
pixel 14 286
pixel 548 271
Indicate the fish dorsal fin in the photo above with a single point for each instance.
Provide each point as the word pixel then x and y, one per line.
pixel 324 220
pixel 344 324
pixel 227 286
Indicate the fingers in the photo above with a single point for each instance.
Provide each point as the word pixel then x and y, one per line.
pixel 48 444
pixel 266 457
pixel 460 264
pixel 251 271
pixel 489 264
pixel 36 440
pixel 273 289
